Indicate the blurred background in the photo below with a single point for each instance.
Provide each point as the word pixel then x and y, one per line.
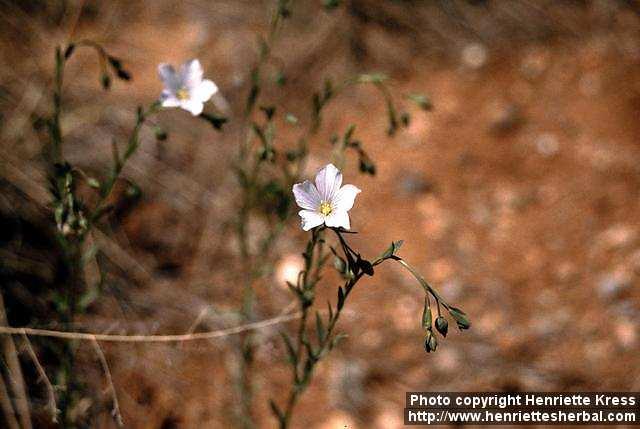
pixel 518 197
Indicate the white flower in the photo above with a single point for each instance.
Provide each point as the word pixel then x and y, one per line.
pixel 185 88
pixel 325 202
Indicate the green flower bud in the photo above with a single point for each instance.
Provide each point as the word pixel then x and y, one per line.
pixel 442 325
pixel 430 342
pixel 460 318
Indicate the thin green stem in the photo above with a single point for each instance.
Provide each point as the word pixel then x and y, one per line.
pixel 422 281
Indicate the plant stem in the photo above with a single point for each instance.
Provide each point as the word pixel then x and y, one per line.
pixel 326 343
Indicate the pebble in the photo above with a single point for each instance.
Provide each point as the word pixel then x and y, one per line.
pixel 547 144
pixel 613 283
pixel 474 55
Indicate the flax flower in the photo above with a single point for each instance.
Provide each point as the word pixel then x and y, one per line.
pixel 325 202
pixel 185 88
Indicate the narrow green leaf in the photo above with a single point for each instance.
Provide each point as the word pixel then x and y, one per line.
pixel 336 340
pixel 93 182
pixel 340 297
pixel 268 111
pixel 89 254
pixel 276 411
pixel 291 118
pixel 330 4
pixel 392 249
pixel 117 163
pixel 372 78
pixel 292 356
pixel 422 101
pixel 216 121
pixel 69 51
pixel 320 328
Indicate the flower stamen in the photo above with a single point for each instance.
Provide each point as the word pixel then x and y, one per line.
pixel 325 208
pixel 182 94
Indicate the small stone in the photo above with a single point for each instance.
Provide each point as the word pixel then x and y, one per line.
pixel 474 55
pixel 547 144
pixel 617 236
pixel 612 284
pixel 412 184
pixel 535 63
pixel 626 333
pixel 288 268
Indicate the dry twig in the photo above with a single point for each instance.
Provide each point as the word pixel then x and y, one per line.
pixel 53 407
pixel 16 380
pixel 107 372
pixel 8 330
pixel 7 406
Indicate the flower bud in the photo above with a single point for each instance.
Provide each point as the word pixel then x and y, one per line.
pixel 460 318
pixel 430 342
pixel 442 325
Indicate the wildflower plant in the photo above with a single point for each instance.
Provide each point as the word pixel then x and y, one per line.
pixel 74 219
pixel 271 183
pixel 325 207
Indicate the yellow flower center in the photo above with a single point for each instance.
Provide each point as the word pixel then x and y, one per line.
pixel 325 208
pixel 182 94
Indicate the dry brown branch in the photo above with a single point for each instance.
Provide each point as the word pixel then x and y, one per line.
pixel 51 401
pixel 8 330
pixel 16 380
pixel 7 406
pixel 107 372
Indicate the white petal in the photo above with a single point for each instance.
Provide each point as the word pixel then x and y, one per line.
pixel 191 74
pixel 204 91
pixel 338 218
pixel 169 77
pixel 310 219
pixel 193 106
pixel 307 196
pixel 168 99
pixel 343 199
pixel 328 181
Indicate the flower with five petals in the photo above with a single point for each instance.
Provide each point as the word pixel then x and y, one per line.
pixel 185 88
pixel 325 202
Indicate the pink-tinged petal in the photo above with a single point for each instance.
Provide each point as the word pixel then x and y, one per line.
pixel 204 91
pixel 193 106
pixel 328 181
pixel 168 99
pixel 191 74
pixel 169 77
pixel 310 219
pixel 307 196
pixel 343 199
pixel 338 218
